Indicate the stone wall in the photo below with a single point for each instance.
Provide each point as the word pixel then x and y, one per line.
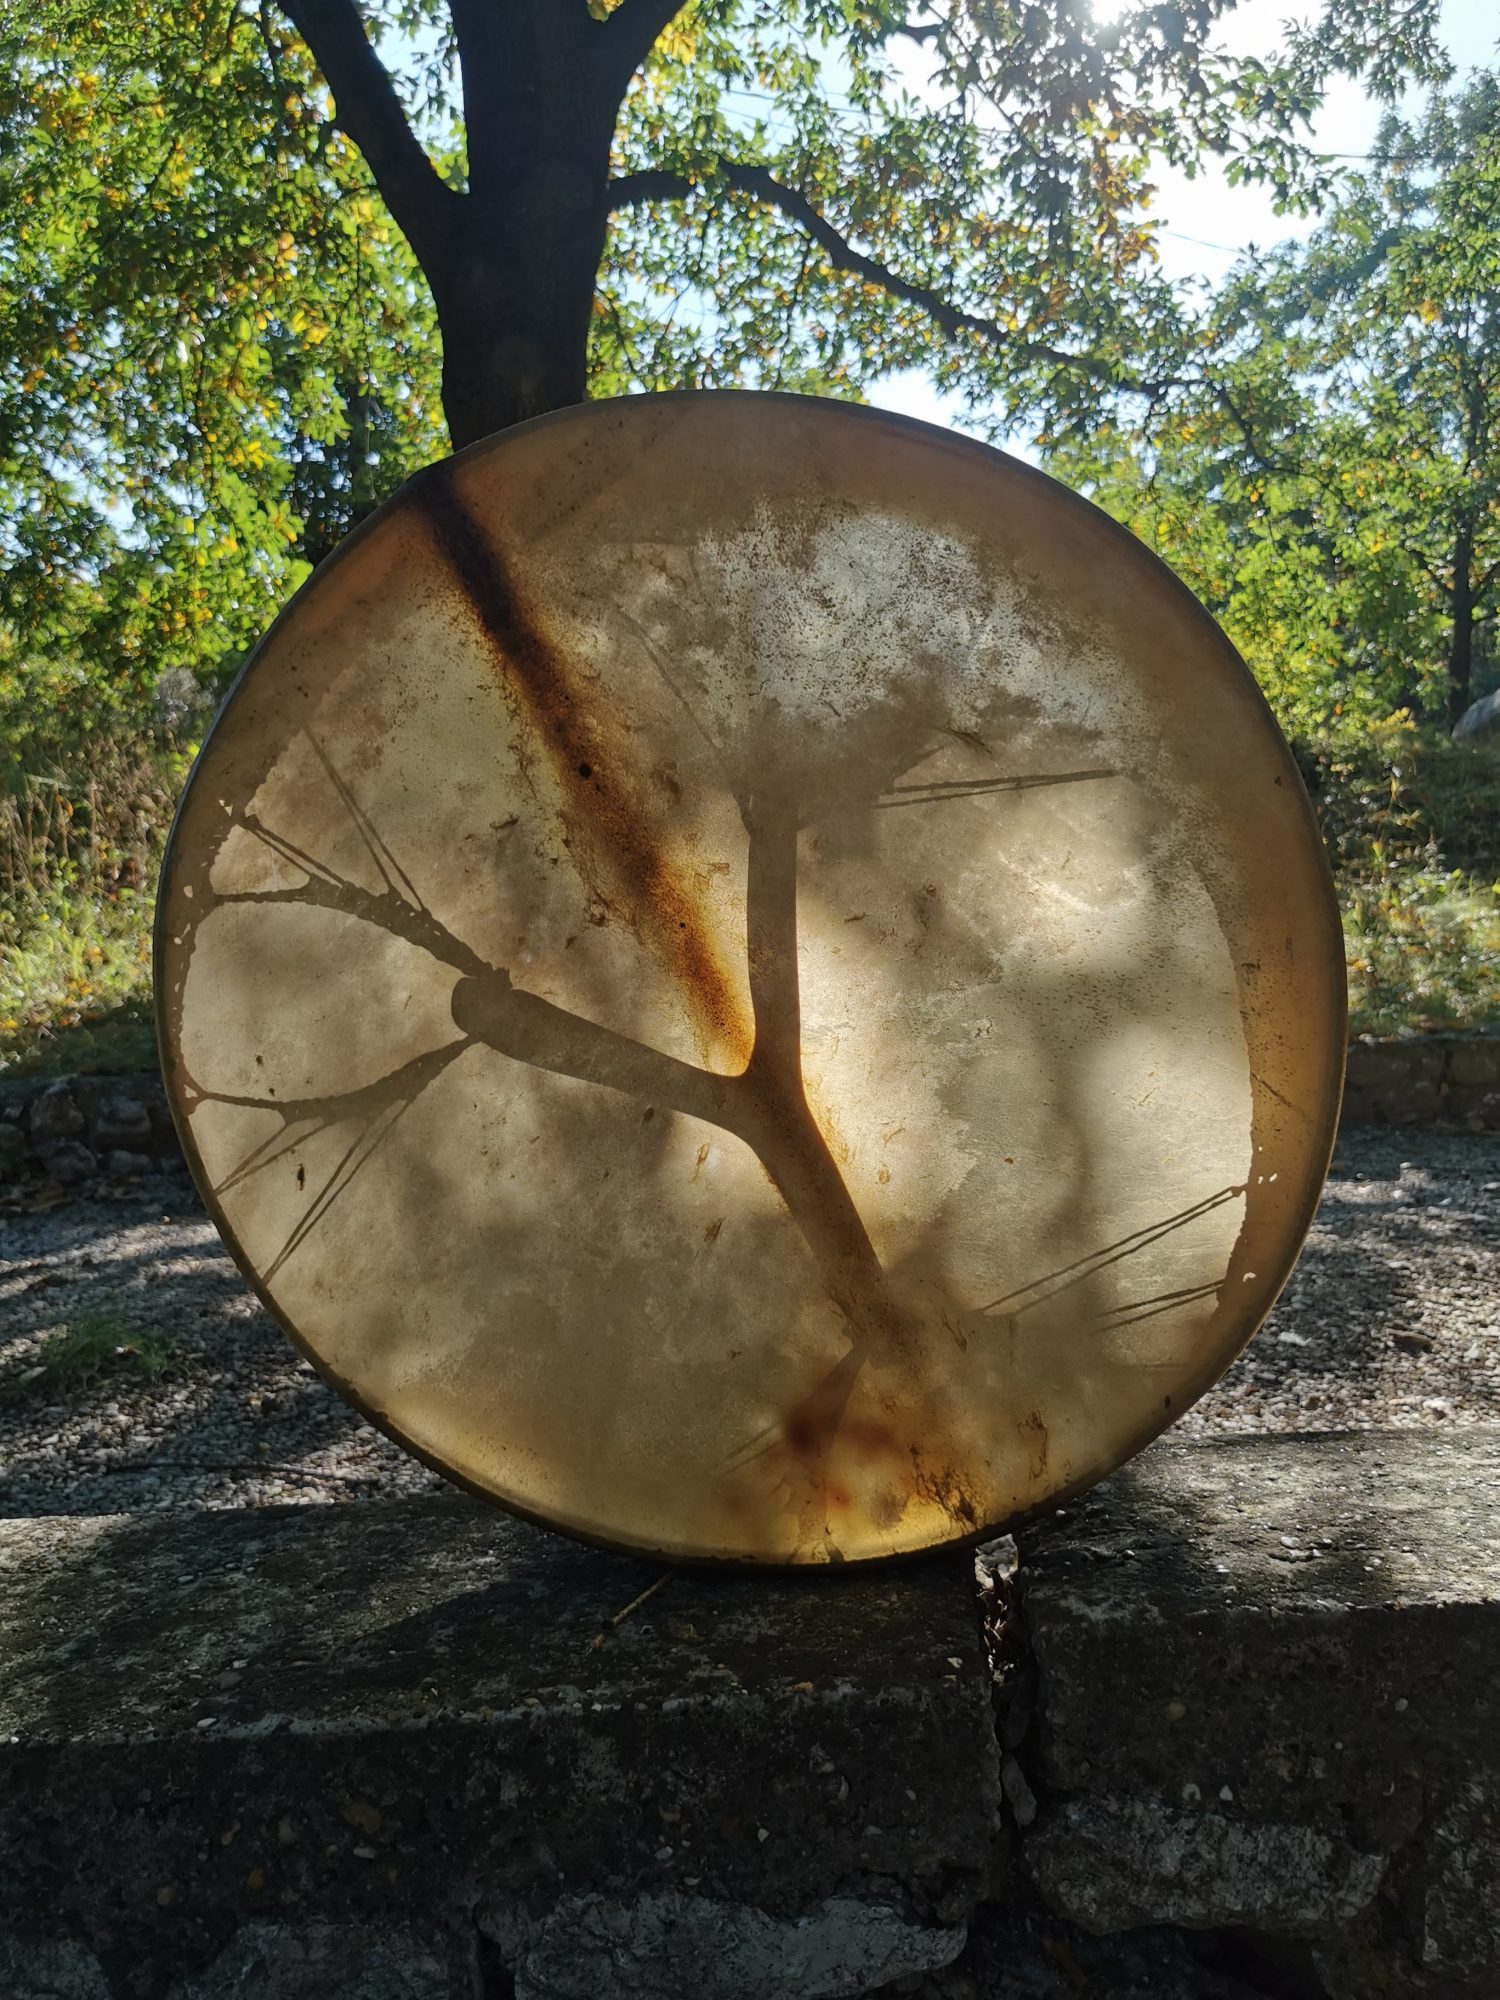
pixel 79 1128
pixel 1243 1744
pixel 76 1129
pixel 1452 1081
pixel 376 1750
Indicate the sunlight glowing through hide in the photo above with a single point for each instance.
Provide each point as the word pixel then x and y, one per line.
pixel 753 980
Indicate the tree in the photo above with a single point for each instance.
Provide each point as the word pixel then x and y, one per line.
pixel 1404 286
pixel 1001 208
pixel 1338 498
pixel 240 238
pixel 183 347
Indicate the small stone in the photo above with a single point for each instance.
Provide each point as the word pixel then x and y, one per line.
pixel 1018 1791
pixel 67 1160
pixel 1414 1343
pixel 54 1115
pixel 1226 1794
pixel 123 1122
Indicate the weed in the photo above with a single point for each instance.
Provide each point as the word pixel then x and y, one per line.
pixel 92 1345
pixel 83 821
pixel 1423 950
pixel 75 982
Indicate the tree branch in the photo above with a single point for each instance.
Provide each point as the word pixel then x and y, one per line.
pixel 741 177
pixel 386 912
pixel 630 33
pixel 489 55
pixel 370 113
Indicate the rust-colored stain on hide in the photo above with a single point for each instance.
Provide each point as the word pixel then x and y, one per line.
pixel 863 1184
pixel 527 661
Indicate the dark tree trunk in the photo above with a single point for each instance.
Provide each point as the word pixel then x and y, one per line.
pixel 513 262
pixel 515 297
pixel 516 305
pixel 1461 640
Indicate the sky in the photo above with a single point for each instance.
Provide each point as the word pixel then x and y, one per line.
pixel 1207 222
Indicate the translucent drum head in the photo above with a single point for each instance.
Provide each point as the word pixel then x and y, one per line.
pixel 754 981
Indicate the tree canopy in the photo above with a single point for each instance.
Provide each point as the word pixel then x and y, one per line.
pixel 1336 496
pixel 254 254
pixel 197 279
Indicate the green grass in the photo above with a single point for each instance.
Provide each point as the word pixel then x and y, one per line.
pixel 89 1347
pixel 75 984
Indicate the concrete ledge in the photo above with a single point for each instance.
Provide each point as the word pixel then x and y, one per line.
pixel 364 1750
pixel 1263 1676
pixel 1246 1745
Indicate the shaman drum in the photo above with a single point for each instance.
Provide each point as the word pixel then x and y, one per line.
pixel 753 980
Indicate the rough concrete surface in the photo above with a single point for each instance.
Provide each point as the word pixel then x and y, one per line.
pixel 397 1715
pixel 281 1961
pixel 844 1946
pixel 1020 1951
pixel 230 1738
pixel 267 1960
pixel 50 1969
pixel 1264 1686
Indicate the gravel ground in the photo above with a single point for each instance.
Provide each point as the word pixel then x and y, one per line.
pixel 1392 1318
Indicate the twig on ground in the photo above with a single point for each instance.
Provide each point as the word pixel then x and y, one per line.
pixel 611 1624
